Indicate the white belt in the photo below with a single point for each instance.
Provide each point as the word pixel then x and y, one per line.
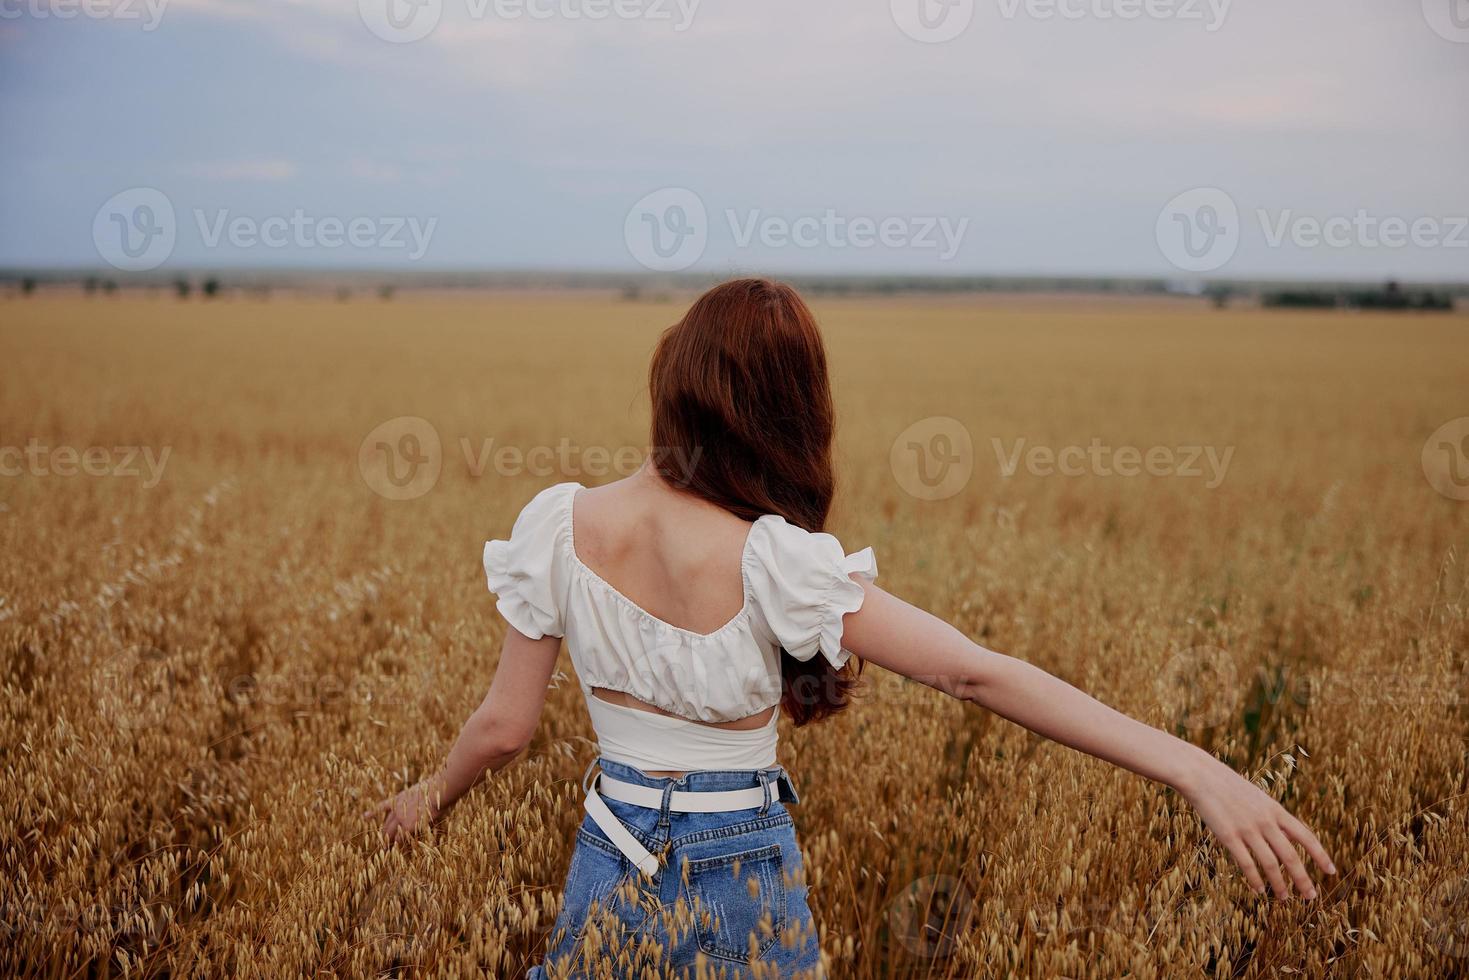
pixel 680 801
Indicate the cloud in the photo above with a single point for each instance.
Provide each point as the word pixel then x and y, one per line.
pixel 242 170
pixel 1059 139
pixel 374 171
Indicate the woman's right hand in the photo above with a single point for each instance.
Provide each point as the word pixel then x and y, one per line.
pixel 408 813
pixel 1256 830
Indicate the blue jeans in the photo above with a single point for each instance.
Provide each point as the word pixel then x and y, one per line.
pixel 731 893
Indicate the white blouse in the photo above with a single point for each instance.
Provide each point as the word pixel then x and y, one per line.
pixel 797 588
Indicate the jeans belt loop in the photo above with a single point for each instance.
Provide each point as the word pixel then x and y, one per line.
pixel 586 777
pixel 665 809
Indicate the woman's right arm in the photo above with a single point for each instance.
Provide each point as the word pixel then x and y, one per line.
pixel 498 730
pixel 1257 831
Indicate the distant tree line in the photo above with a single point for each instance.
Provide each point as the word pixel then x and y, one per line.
pixel 1325 296
pixel 1389 297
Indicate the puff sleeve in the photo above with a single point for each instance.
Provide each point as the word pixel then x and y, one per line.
pixel 802 585
pixel 528 573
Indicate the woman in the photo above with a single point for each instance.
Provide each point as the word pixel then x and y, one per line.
pixel 700 599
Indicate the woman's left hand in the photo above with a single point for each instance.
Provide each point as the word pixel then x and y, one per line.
pixel 408 813
pixel 1258 832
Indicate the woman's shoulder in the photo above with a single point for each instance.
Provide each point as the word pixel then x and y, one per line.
pixel 548 513
pixel 556 495
pixel 802 583
pixel 773 534
pixel 526 569
pixel 800 563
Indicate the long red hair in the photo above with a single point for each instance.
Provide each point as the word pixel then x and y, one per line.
pixel 740 390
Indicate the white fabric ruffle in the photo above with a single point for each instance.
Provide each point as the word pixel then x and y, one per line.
pixel 797 588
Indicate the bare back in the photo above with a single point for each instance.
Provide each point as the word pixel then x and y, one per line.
pixel 673 555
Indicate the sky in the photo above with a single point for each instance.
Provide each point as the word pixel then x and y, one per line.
pixel 1178 138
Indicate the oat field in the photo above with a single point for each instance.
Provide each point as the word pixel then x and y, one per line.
pixel 241 600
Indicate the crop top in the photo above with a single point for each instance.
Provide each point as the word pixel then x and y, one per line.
pixel 797 587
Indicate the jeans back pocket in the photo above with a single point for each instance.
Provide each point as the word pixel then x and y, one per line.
pixel 738 902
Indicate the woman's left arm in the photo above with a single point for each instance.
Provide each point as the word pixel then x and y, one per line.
pixel 498 730
pixel 1257 831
